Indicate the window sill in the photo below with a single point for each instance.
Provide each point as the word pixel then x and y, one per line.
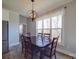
pixel 60 43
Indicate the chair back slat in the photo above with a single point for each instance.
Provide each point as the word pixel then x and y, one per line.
pixel 28 44
pixel 28 34
pixel 47 36
pixel 54 45
pixel 39 34
pixel 25 42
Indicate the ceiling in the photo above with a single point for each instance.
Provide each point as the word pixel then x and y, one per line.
pixel 41 6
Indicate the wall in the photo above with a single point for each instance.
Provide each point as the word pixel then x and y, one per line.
pixel 13 19
pixel 31 27
pixel 13 29
pixel 5 14
pixel 70 27
pixel 23 22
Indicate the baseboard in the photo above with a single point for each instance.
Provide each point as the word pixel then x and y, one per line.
pixel 66 52
pixel 14 45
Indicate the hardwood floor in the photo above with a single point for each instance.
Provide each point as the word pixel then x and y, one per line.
pixel 15 53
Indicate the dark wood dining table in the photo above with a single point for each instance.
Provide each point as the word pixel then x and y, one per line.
pixel 40 43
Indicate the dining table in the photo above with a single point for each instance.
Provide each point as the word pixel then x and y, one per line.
pixel 40 43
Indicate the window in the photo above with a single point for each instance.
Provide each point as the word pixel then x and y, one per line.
pixel 39 26
pixel 56 26
pixel 52 25
pixel 46 25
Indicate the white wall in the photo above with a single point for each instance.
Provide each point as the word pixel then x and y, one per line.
pixel 13 28
pixel 5 14
pixel 70 29
pixel 23 21
pixel 69 38
pixel 31 27
pixel 13 19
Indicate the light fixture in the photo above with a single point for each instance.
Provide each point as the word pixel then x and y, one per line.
pixel 33 12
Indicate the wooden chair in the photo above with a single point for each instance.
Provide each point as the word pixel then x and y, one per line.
pixel 28 34
pixel 30 48
pixel 22 42
pixel 50 52
pixel 47 36
pixel 40 34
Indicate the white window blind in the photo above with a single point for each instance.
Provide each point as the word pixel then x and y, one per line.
pixel 52 25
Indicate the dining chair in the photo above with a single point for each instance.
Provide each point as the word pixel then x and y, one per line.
pixel 22 36
pixel 30 49
pixel 47 36
pixel 51 51
pixel 27 34
pixel 39 34
pixel 22 42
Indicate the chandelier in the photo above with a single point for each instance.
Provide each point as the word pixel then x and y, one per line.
pixel 33 13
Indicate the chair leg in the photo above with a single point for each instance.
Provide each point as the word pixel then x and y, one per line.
pixel 22 49
pixel 25 54
pixel 55 56
pixel 50 57
pixel 32 56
